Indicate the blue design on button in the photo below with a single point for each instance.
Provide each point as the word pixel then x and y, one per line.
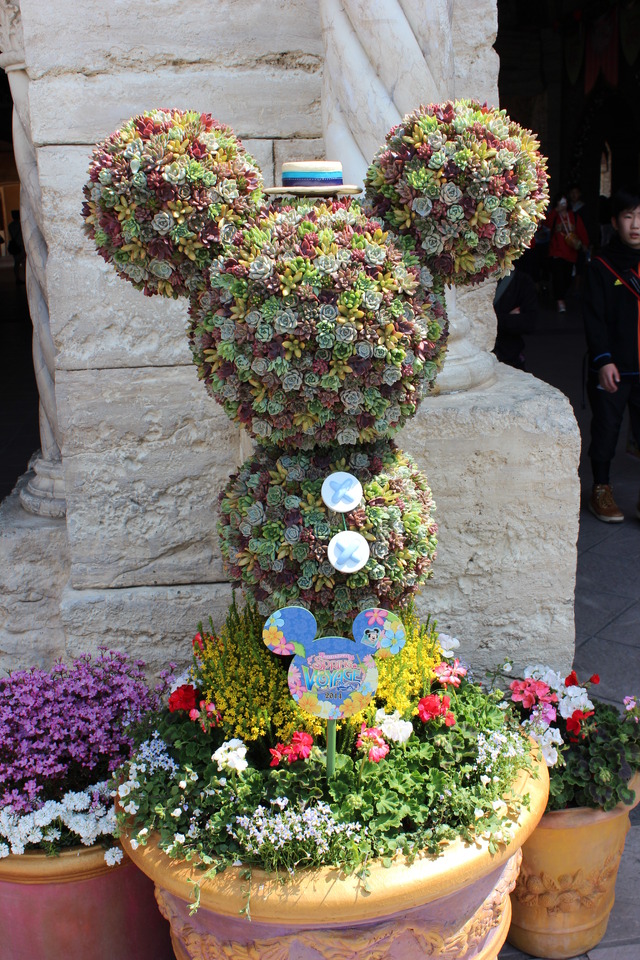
pixel 342 492
pixel 348 551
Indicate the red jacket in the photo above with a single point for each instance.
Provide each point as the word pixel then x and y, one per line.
pixel 561 226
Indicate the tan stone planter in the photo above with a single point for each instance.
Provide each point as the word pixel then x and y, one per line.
pixel 565 891
pixel 74 906
pixel 453 906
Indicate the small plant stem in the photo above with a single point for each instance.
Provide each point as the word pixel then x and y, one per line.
pixel 331 748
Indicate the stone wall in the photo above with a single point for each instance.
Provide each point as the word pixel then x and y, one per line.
pixel 144 450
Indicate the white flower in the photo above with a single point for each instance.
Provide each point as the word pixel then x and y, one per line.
pixel 113 856
pixel 180 681
pixel 393 726
pixel 447 644
pixel 178 838
pixel 231 756
pixel 4 850
pixel 177 812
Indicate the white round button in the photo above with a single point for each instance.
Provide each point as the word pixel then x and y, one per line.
pixel 341 492
pixel 348 551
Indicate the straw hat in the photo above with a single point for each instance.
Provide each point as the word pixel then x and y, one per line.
pixel 314 178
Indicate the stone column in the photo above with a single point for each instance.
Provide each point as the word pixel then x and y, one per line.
pixel 43 494
pixel 382 59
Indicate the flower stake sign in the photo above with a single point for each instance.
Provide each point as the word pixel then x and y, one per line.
pixel 333 677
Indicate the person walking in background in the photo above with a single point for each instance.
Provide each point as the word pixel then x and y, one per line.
pixel 15 247
pixel 568 237
pixel 612 319
pixel 516 307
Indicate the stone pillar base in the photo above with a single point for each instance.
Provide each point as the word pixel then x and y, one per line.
pixel 43 492
pixel 502 462
pixel 34 566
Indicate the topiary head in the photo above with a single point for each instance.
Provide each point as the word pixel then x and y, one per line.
pixel 316 327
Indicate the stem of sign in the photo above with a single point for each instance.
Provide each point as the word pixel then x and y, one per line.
pixel 331 748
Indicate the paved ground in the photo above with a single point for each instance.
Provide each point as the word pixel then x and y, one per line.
pixel 608 577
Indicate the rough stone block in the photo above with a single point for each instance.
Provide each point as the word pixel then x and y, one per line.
pixel 77 108
pixel 154 624
pixel 34 566
pixel 122 36
pixel 502 464
pixel 145 454
pixel 474 30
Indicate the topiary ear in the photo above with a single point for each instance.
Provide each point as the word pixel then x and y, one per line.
pixel 161 192
pixel 464 184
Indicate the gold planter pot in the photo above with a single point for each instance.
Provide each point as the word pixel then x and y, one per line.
pixel 565 891
pixel 455 905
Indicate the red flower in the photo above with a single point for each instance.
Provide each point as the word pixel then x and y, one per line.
pixel 277 754
pixel 571 680
pixel 574 722
pixel 184 698
pixel 302 743
pixel 198 642
pixel 594 678
pixel 433 706
pixel 298 749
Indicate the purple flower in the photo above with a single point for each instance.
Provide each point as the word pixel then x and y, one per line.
pixel 67 729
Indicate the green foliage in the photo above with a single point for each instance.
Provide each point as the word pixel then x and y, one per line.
pixel 598 767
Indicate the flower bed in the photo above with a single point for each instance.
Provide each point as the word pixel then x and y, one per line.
pixel 591 749
pixel 62 734
pixel 407 778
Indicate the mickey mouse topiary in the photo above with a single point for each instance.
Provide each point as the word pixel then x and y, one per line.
pixel 315 328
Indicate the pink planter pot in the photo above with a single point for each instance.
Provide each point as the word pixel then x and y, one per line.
pixel 75 907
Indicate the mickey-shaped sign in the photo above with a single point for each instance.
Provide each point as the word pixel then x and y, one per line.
pixel 333 677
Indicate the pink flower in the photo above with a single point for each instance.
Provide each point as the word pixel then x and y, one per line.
pixel 302 743
pixel 372 740
pixel 530 692
pixel 375 617
pixel 450 673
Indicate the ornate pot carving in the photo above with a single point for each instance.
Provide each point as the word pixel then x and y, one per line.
pixel 74 906
pixel 453 906
pixel 565 891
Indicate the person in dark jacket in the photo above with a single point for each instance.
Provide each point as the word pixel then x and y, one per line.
pixel 516 307
pixel 612 320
